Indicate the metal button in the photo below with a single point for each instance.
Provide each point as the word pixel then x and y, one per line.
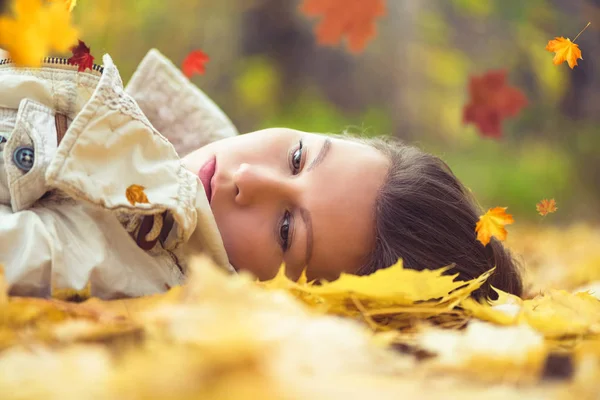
pixel 24 157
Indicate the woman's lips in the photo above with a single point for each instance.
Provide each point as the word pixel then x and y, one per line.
pixel 206 174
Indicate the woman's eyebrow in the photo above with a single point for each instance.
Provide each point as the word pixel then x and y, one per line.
pixel 304 213
pixel 322 153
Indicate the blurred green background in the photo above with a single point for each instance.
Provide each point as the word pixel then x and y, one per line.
pixel 412 81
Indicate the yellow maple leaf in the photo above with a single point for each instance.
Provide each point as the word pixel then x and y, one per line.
pixel 492 224
pixel 69 4
pixel 403 285
pixel 546 207
pixel 135 194
pixel 395 294
pixel 36 29
pixel 558 313
pixel 505 310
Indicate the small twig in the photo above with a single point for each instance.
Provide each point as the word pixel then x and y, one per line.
pixel 411 310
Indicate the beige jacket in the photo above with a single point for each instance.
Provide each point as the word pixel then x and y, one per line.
pixel 75 149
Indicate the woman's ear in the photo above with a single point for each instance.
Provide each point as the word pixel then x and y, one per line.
pixel 177 108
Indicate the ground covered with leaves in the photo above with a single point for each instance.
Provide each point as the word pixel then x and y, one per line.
pixel 396 332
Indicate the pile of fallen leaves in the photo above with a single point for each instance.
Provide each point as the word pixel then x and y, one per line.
pixel 397 332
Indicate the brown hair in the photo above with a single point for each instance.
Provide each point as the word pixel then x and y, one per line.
pixel 425 216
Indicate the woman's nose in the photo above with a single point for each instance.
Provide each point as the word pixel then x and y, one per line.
pixel 257 183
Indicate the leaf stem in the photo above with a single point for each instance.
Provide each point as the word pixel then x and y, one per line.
pixel 363 312
pixel 588 24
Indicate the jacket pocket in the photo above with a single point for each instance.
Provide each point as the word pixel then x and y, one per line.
pixel 28 152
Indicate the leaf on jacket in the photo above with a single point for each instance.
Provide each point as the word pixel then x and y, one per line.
pixel 492 224
pixel 354 19
pixel 491 101
pixel 34 29
pixel 135 194
pixel 81 57
pixel 69 4
pixel 194 63
pixel 546 207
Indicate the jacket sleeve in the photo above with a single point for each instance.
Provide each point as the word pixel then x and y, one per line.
pixel 178 109
pixel 25 252
pixel 65 249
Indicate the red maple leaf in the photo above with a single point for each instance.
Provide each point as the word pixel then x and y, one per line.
pixel 354 19
pixel 81 57
pixel 194 63
pixel 492 101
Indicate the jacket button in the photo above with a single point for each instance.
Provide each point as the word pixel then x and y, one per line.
pixel 23 158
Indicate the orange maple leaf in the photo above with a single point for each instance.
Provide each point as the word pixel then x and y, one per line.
pixel 546 207
pixel 491 101
pixel 69 4
pixel 135 194
pixel 194 63
pixel 354 19
pixel 492 224
pixel 565 51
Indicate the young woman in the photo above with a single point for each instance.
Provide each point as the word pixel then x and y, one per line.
pixel 94 199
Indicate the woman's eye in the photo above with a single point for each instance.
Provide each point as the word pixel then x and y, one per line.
pixel 297 159
pixel 284 231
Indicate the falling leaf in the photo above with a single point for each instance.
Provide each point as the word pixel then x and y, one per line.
pixel 36 29
pixel 354 19
pixel 135 194
pixel 491 101
pixel 565 51
pixel 69 4
pixel 194 63
pixel 492 224
pixel 81 57
pixel 546 207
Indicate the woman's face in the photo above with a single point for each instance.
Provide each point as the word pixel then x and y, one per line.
pixel 281 195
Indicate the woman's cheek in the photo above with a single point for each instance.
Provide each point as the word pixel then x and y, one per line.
pixel 248 247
